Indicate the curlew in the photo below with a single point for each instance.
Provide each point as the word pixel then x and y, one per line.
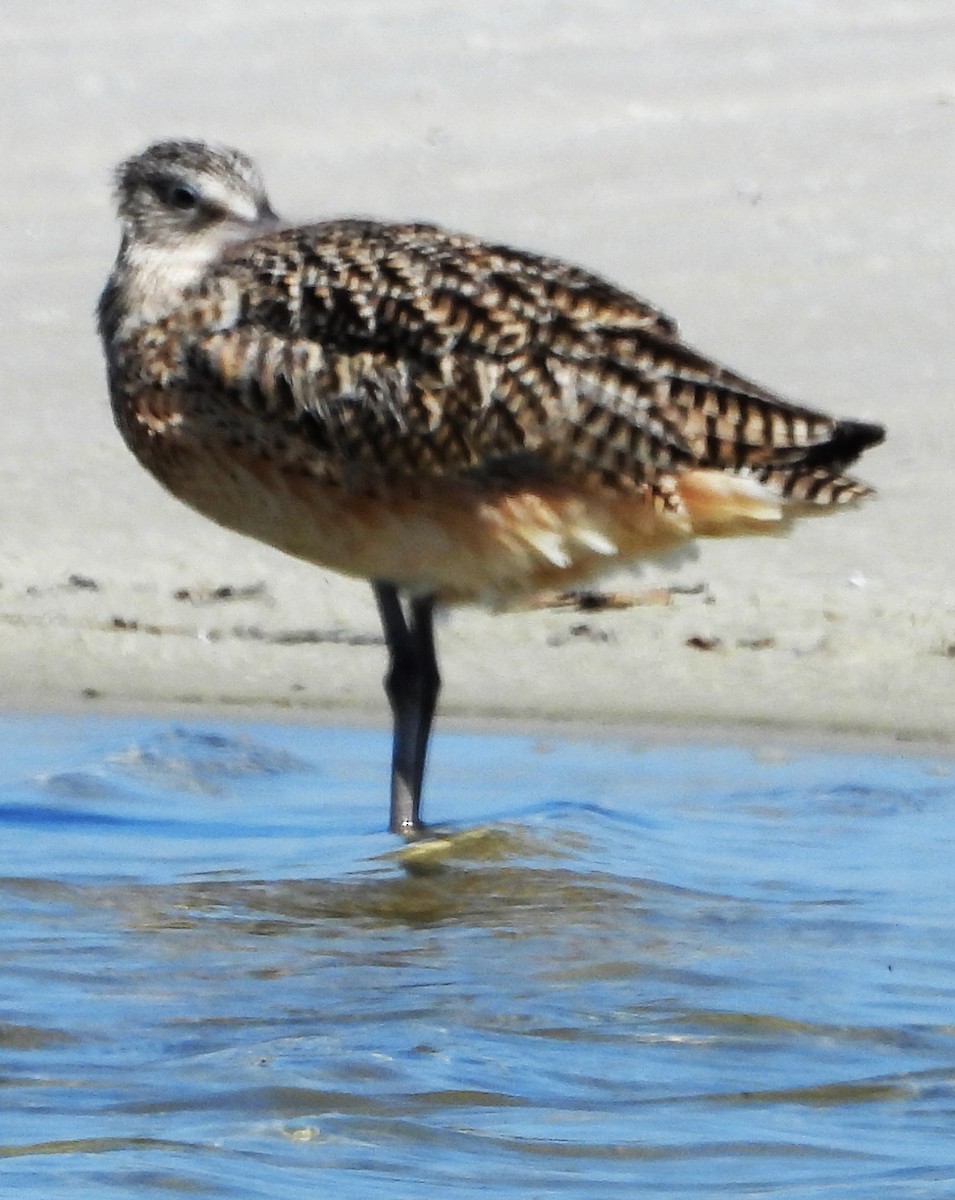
pixel 454 421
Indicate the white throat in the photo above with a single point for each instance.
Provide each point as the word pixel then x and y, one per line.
pixel 155 279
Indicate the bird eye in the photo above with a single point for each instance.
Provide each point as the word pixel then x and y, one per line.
pixel 178 195
pixel 182 196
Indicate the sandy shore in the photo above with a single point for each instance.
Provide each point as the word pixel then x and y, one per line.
pixel 778 178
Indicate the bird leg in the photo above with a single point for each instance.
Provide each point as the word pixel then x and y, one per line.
pixel 412 685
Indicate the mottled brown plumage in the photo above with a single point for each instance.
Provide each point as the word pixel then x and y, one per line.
pixel 450 419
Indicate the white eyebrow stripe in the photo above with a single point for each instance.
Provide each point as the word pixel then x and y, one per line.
pixel 214 191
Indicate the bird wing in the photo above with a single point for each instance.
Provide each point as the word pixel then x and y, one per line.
pixel 389 350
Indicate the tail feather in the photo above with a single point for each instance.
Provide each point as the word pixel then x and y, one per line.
pixel 725 501
pixel 816 478
pixel 848 441
pixel 817 486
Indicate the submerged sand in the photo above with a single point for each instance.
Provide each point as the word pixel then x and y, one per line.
pixel 778 177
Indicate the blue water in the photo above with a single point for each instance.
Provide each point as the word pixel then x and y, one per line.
pixel 672 971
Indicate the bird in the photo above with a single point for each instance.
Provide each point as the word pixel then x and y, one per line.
pixel 453 420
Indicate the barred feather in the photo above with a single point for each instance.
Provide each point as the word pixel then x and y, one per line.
pixel 303 383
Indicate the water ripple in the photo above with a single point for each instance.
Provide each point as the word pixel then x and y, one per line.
pixel 620 968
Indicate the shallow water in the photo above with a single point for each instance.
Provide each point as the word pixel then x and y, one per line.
pixel 679 969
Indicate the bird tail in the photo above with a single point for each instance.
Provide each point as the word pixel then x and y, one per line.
pixel 765 496
pixel 816 477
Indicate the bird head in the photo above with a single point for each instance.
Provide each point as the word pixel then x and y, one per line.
pixel 177 192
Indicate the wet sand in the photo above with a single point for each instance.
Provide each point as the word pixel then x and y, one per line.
pixel 781 181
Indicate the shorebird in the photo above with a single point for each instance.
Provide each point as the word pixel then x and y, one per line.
pixel 452 420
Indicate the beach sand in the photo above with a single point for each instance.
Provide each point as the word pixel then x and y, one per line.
pixel 779 178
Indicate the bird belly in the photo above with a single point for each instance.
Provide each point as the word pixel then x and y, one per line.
pixel 463 541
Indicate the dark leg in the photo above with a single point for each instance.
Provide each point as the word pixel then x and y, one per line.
pixel 412 685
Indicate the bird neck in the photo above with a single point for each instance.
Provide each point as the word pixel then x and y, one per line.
pixel 150 280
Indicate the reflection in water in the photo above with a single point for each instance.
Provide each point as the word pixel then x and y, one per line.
pixel 689 971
